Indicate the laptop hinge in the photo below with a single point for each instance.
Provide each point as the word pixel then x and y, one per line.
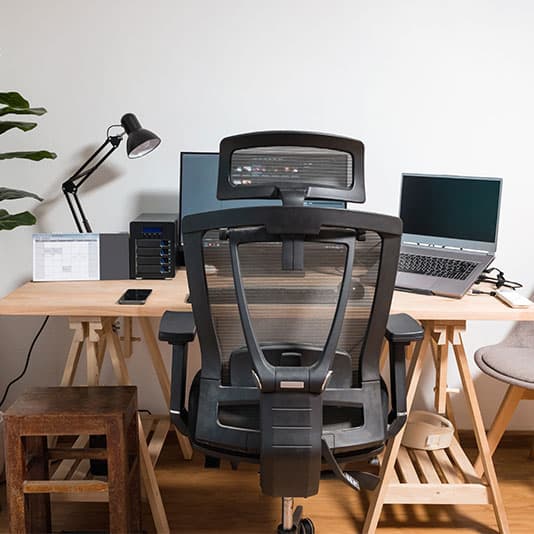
pixel 446 247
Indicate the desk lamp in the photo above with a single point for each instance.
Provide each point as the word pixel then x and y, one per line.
pixel 140 142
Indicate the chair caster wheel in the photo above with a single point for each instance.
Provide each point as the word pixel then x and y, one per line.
pixel 281 530
pixel 375 462
pixel 306 526
pixel 212 462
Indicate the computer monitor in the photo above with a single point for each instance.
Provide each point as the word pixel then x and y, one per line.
pixel 198 188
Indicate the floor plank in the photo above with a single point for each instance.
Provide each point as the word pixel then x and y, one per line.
pixel 201 501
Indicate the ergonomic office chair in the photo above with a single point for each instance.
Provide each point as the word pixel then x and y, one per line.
pixel 291 305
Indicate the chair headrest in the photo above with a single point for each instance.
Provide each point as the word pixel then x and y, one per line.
pixel 292 166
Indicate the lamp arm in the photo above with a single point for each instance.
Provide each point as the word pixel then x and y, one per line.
pixel 77 174
pixel 72 183
pixel 73 212
pixel 70 186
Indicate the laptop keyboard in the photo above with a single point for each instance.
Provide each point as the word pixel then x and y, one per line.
pixel 436 266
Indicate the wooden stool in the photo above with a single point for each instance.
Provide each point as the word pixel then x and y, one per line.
pixel 59 411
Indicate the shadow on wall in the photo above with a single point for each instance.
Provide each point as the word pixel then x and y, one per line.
pixel 48 355
pixel 157 202
pixel 104 175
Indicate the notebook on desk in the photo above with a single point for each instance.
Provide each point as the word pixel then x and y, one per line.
pixel 449 232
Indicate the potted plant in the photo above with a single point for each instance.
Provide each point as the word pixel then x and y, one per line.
pixel 14 104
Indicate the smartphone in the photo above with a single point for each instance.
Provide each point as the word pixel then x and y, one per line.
pixel 135 296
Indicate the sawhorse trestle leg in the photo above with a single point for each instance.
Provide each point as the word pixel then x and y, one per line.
pixel 445 476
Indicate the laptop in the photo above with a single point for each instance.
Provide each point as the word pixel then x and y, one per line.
pixel 449 232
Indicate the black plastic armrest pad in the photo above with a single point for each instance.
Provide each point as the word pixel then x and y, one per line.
pixel 401 328
pixel 177 328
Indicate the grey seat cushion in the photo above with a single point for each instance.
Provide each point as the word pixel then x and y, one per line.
pixel 514 365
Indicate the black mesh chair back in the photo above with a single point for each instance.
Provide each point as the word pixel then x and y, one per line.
pixel 292 306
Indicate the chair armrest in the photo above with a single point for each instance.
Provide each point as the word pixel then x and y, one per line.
pixel 401 330
pixel 177 328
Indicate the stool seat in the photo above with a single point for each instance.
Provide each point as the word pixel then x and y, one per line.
pixel 83 401
pixel 513 365
pixel 109 411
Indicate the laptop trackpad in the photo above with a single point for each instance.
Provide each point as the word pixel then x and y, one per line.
pixel 415 281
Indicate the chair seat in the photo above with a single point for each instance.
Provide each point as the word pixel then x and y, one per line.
pixel 513 365
pixel 247 416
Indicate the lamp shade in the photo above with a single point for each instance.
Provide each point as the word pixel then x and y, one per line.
pixel 140 141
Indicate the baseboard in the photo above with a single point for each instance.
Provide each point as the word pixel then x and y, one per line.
pixel 512 439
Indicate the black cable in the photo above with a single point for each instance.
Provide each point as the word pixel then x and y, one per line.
pixel 27 361
pixel 479 292
pixel 499 280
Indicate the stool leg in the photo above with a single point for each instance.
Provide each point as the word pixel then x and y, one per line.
pixel 504 413
pixel 38 503
pixel 30 513
pixel 135 477
pixel 117 452
pixel 15 472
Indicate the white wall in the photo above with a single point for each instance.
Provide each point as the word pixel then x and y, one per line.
pixel 429 86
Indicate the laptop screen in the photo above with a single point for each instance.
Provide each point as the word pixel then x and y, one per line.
pixel 459 211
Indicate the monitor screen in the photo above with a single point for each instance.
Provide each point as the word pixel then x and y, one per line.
pixel 450 207
pixel 199 172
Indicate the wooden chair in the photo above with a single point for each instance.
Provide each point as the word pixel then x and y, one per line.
pixel 60 411
pixel 512 362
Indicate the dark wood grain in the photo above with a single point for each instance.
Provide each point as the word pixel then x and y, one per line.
pixel 64 411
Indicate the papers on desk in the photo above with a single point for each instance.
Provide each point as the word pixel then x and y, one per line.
pixel 66 257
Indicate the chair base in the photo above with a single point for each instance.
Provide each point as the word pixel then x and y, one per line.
pixel 292 520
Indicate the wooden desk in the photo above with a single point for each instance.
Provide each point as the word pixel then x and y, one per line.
pixel 92 310
pixel 96 298
pixel 444 477
pixel 447 476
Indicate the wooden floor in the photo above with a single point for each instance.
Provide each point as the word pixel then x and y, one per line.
pixel 201 500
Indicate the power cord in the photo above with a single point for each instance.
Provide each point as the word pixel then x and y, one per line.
pixel 496 276
pixel 6 391
pixel 480 292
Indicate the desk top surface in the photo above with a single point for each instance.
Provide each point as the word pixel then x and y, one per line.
pixel 99 298
pixel 96 298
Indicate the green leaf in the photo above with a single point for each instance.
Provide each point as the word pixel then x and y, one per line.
pixel 11 194
pixel 24 126
pixel 34 156
pixel 9 221
pixel 14 100
pixel 23 111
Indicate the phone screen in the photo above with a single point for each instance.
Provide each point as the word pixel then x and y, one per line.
pixel 135 296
